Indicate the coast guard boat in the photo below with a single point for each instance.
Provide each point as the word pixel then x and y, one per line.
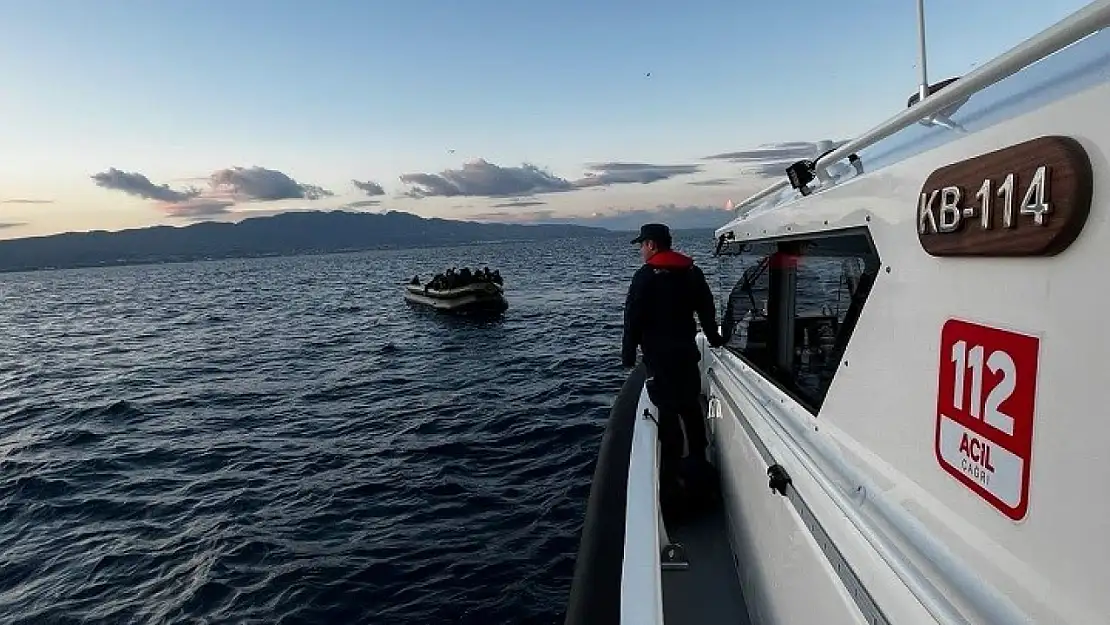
pixel 908 417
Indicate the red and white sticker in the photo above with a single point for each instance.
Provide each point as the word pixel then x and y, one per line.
pixel 985 407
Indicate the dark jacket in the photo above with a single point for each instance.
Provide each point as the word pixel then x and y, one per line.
pixel 665 294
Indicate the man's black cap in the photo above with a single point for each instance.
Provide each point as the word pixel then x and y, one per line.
pixel 659 233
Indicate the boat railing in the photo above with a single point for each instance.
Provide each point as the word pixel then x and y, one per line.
pixel 618 570
pixel 596 589
pixel 644 536
pixel 1084 22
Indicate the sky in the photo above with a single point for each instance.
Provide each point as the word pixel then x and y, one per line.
pixel 120 113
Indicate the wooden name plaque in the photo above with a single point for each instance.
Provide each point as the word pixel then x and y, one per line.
pixel 1030 199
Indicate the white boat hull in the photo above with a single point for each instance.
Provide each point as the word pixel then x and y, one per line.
pixel 927 548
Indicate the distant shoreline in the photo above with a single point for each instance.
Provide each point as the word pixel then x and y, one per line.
pixel 308 233
pixel 289 254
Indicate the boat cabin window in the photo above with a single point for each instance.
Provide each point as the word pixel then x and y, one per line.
pixel 790 306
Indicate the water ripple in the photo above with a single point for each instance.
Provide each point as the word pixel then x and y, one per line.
pixel 284 441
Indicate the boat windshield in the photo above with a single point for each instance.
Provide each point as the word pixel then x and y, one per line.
pixel 789 306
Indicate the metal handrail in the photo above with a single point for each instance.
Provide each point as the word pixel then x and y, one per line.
pixel 1090 19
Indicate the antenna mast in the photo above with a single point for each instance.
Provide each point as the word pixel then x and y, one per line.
pixel 923 90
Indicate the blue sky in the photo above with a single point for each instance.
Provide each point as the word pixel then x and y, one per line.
pixel 102 102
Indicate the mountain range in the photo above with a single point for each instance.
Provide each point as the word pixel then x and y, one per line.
pixel 309 232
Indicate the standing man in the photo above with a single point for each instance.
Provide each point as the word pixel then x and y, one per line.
pixel 665 295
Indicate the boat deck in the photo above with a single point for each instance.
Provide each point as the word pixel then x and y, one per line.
pixel 708 591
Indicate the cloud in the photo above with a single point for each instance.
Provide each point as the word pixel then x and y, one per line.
pixel 677 217
pixel 481 178
pixel 545 215
pixel 519 204
pixel 225 188
pixel 134 183
pixel 715 182
pixel 362 203
pixel 768 170
pixel 197 209
pixel 15 224
pixel 261 184
pixel 771 151
pixel 25 201
pixel 632 173
pixel 251 211
pixel 773 159
pixel 370 188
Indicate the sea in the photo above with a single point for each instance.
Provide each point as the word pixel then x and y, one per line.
pixel 286 440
